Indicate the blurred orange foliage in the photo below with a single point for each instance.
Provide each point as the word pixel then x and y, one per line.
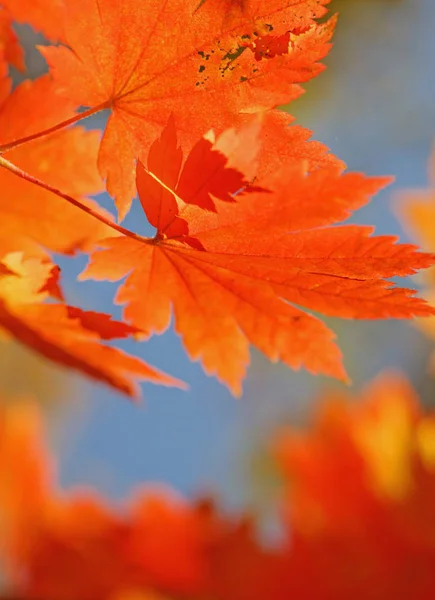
pixel 357 505
pixel 416 211
pixel 359 500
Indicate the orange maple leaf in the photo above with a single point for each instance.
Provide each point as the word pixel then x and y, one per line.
pixel 65 334
pixel 283 143
pixel 46 16
pixel 360 490
pixel 416 209
pixel 352 516
pixel 30 217
pixel 160 543
pixel 25 472
pixel 233 276
pixel 10 49
pixel 77 539
pixel 52 538
pixel 144 63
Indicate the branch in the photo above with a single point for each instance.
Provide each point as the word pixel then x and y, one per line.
pixel 90 211
pixel 35 136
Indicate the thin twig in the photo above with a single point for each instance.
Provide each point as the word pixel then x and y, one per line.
pixel 6 164
pixel 58 127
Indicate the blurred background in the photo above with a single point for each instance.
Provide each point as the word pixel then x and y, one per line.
pixel 374 107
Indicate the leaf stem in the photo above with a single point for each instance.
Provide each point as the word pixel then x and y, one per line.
pixel 29 138
pixel 6 164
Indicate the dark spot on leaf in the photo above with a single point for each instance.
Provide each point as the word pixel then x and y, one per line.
pixel 234 54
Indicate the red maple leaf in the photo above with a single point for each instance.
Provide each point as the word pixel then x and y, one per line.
pixel 46 16
pixel 145 61
pixel 359 492
pixel 10 49
pixel 159 544
pixel 65 334
pixel 238 276
pixel 33 218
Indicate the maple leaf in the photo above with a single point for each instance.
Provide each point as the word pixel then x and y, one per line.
pixel 344 504
pixel 46 16
pixel 103 552
pixel 65 334
pixel 359 495
pixel 236 276
pixel 79 539
pixel 144 64
pixel 183 542
pixel 283 143
pixel 31 217
pixel 10 48
pixel 416 210
pixel 52 536
pixel 207 173
pixel 25 471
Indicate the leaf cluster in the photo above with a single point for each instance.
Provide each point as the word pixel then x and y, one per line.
pixel 246 209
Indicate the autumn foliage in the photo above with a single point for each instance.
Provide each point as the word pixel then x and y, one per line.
pixel 217 166
pixel 353 517
pixel 249 248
